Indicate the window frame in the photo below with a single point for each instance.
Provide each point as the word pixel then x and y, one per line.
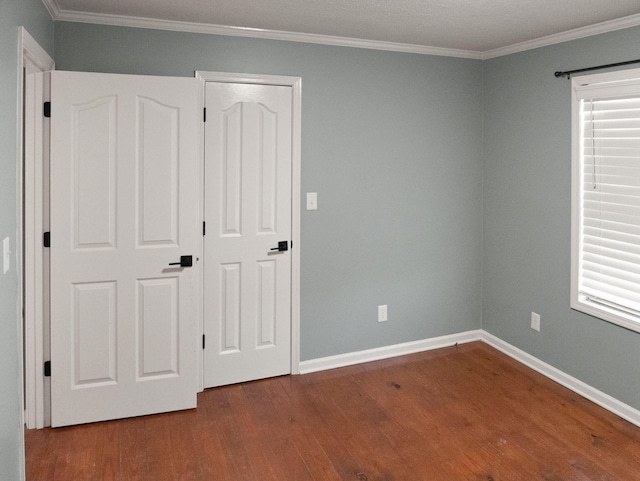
pixel 600 86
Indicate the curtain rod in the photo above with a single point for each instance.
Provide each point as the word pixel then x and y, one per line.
pixel 569 72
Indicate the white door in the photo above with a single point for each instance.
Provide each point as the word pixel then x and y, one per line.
pixel 124 206
pixel 247 283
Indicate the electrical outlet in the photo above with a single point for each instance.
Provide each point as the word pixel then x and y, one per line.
pixel 535 321
pixel 382 313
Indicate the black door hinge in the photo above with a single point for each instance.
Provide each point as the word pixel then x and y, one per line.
pixel 203 341
pixel 204 228
pixel 46 239
pixel 47 109
pixel 47 368
pixel 204 117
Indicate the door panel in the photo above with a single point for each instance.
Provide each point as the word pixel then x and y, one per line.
pixel 157 171
pixel 248 162
pixel 157 323
pixel 93 173
pixel 267 301
pixel 124 204
pixel 94 333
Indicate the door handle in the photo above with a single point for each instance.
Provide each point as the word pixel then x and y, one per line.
pixel 282 246
pixel 185 261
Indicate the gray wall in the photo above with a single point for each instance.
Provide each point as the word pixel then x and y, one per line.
pixel 391 142
pixel 527 215
pixel 33 15
pixel 398 146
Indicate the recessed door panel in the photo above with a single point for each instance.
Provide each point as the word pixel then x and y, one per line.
pixel 157 162
pixel 267 139
pixel 158 343
pixel 93 150
pixel 267 298
pixel 230 180
pixel 230 310
pixel 94 314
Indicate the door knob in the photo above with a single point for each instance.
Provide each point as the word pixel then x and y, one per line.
pixel 185 261
pixel 282 246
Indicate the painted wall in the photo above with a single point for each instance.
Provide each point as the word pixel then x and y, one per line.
pixel 32 15
pixel 428 202
pixel 391 142
pixel 527 215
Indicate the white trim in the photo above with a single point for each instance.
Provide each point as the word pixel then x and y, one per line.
pixel 35 58
pixel 575 34
pixel 576 190
pixel 602 399
pixel 192 27
pixel 296 189
pixel 52 7
pixel 595 86
pixel 376 354
pixel 593 81
pixel 619 408
pixel 296 148
pixel 200 287
pixel 34 52
pixel 205 28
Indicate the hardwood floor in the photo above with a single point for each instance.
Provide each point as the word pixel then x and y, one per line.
pixel 461 413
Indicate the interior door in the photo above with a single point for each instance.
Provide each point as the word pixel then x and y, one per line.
pixel 247 283
pixel 124 210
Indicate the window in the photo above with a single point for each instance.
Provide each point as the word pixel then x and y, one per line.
pixel 605 249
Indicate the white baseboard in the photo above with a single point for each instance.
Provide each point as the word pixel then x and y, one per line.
pixel 602 399
pixel 351 358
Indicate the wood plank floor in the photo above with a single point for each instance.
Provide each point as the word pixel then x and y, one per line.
pixel 462 413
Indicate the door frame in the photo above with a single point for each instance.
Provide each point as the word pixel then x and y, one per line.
pixel 296 140
pixel 32 220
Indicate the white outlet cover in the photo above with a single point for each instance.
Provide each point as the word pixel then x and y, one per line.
pixel 382 313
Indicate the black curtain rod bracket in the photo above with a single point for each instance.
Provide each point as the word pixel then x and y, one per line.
pixel 568 73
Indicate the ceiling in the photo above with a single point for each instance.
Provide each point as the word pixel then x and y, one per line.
pixel 464 28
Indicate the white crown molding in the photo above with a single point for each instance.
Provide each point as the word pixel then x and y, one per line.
pixel 598 28
pixel 139 22
pixel 191 27
pixel 53 8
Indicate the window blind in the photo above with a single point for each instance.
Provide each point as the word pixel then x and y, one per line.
pixel 610 202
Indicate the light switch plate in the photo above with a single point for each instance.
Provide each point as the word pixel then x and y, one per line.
pixel 312 200
pixel 535 321
pixel 6 255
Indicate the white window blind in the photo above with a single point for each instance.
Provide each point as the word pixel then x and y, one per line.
pixel 609 227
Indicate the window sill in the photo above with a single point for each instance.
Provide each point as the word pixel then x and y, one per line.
pixel 609 314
